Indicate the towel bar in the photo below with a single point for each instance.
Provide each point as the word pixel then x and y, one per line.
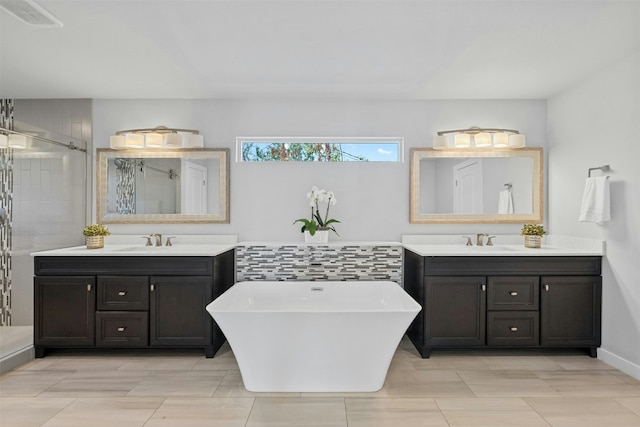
pixel 604 168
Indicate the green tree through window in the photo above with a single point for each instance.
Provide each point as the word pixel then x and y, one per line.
pixel 314 151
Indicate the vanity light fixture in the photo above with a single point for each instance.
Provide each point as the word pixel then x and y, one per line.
pixel 157 137
pixel 479 138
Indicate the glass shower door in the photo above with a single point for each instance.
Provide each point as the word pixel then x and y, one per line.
pixel 47 209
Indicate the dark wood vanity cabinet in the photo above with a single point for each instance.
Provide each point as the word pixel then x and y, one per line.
pixel 457 311
pixel 570 311
pixel 174 322
pixel 129 302
pixel 64 312
pixel 505 302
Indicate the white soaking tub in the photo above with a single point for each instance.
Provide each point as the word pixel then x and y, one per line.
pixel 314 336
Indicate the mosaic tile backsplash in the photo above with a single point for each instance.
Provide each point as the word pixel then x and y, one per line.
pixel 6 206
pixel 321 262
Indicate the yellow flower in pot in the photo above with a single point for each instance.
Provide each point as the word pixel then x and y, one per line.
pixel 532 235
pixel 94 235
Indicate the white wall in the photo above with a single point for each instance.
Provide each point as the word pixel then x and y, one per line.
pixel 593 123
pixel 373 198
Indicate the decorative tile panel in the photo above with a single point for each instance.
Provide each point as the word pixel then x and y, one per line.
pixel 6 211
pixel 126 187
pixel 319 263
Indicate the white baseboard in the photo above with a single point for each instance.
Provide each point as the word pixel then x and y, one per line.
pixel 620 363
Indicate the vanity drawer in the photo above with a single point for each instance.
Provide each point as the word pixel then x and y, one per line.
pixel 518 328
pixel 123 293
pixel 513 293
pixel 122 328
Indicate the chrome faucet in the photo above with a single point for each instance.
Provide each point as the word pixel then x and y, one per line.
pixel 479 239
pixel 158 239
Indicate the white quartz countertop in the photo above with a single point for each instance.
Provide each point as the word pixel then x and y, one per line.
pixel 424 245
pixel 129 250
pixel 133 245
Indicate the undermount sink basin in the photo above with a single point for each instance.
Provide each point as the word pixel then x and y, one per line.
pixel 495 248
pixel 150 249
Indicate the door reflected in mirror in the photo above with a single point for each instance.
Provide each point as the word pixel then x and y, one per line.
pixel 163 186
pixel 452 186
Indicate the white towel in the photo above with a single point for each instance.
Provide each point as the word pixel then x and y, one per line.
pixel 505 202
pixel 595 200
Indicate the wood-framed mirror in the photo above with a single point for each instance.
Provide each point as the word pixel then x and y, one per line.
pixel 163 186
pixel 476 186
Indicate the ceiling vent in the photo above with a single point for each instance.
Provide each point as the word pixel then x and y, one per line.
pixel 30 12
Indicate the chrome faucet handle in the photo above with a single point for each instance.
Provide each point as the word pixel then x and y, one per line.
pixel 489 241
pixel 468 243
pixel 169 242
pixel 479 238
pixel 148 240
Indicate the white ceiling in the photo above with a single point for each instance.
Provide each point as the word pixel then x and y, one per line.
pixel 385 49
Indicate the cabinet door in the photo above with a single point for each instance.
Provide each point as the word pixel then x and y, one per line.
pixel 64 311
pixel 177 311
pixel 455 311
pixel 570 311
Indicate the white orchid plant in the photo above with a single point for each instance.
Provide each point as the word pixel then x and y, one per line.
pixel 317 222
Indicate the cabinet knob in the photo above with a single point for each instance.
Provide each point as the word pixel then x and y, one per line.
pixel 153 287
pixel 122 293
pixel 513 293
pixel 121 328
pixel 546 288
pixel 513 328
pixel 484 288
pixel 88 288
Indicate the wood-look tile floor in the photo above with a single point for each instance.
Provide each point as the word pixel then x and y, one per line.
pixel 183 389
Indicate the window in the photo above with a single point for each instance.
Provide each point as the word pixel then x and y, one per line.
pixel 300 149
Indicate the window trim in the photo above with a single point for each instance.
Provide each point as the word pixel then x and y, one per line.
pixel 322 139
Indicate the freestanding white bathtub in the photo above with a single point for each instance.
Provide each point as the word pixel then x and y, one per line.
pixel 314 336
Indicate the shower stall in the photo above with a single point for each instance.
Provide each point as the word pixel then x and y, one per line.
pixel 43 205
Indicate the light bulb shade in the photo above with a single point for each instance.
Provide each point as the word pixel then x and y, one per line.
pixel 516 140
pixel 134 140
pixel 462 140
pixel 195 141
pixel 4 139
pixel 483 139
pixel 500 140
pixel 17 141
pixel 153 140
pixel 172 140
pixel 440 142
pixel 117 142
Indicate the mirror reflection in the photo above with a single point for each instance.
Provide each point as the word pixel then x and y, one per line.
pixel 476 185
pixel 147 186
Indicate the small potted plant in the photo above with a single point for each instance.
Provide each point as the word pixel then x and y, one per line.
pixel 532 235
pixel 94 235
pixel 316 229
